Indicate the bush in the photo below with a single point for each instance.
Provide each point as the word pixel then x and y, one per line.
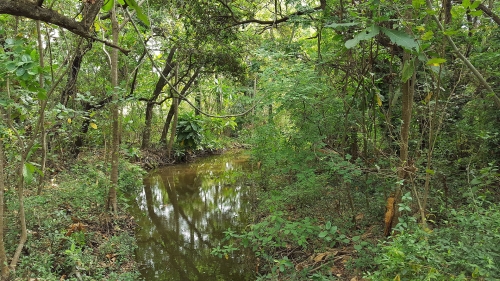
pixel 465 247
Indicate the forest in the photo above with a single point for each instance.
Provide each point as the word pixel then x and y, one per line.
pixel 373 130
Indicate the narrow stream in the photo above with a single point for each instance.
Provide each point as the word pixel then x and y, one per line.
pixel 182 213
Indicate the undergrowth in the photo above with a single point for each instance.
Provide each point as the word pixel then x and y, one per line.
pixel 70 236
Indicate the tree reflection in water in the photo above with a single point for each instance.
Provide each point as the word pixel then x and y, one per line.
pixel 182 213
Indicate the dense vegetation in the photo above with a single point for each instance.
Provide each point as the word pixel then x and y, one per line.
pixel 375 127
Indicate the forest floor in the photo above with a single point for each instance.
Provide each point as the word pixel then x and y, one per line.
pixel 70 235
pixel 341 258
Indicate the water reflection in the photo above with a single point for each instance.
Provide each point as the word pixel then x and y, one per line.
pixel 182 212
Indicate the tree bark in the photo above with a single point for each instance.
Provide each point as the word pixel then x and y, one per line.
pixel 408 89
pixel 43 133
pixel 3 257
pixel 70 88
pixel 168 120
pixel 112 199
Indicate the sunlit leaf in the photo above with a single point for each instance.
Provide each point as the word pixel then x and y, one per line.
pixel 476 13
pixel 429 171
pixel 108 4
pixel 69 120
pixel 436 61
pixel 428 35
pixel 450 32
pixel 93 125
pixel 417 3
pixel 428 97
pixel 378 99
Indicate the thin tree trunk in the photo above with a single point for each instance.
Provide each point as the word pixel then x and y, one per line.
pixel 408 89
pixel 3 257
pixel 20 187
pixel 112 200
pixel 162 81
pixel 43 134
pixel 146 133
pixel 176 114
pixel 166 125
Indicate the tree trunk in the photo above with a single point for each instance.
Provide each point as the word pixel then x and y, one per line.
pixel 408 89
pixel 166 125
pixel 176 113
pixel 43 133
pixel 183 94
pixel 146 133
pixel 162 81
pixel 112 200
pixel 3 257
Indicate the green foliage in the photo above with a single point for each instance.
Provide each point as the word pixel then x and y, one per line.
pixel 108 5
pixel 54 250
pixel 216 132
pixel 130 178
pixel 397 37
pixel 271 235
pixel 189 131
pixel 463 248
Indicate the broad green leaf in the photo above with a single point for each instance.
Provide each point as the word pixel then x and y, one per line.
pixel 429 171
pixel 347 24
pixel 474 5
pixel 20 71
pixel 450 32
pixel 408 70
pixel 365 34
pixel 323 234
pixel 42 95
pixel 417 3
pixel 138 10
pixel 436 61
pixel 121 2
pixel 475 181
pixel 466 3
pixel 427 36
pixel 400 38
pixel 28 171
pixel 108 5
pixel 328 225
pixel 476 13
pixel 11 66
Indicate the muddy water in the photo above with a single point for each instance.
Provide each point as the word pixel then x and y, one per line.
pixel 182 213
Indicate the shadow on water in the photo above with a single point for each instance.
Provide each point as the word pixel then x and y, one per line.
pixel 182 213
